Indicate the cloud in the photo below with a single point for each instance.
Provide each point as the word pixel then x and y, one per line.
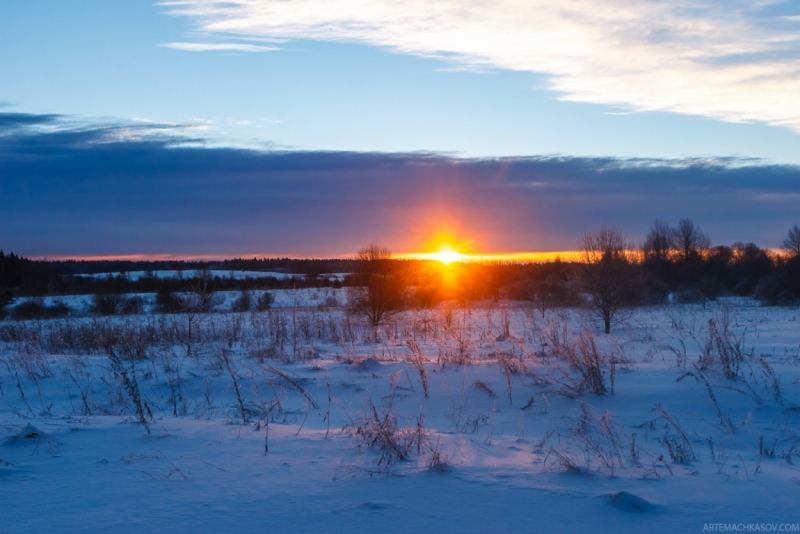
pixel 112 189
pixel 204 47
pixel 732 60
pixel 9 121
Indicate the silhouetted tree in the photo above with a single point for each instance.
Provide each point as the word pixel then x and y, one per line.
pixel 608 276
pixel 203 292
pixel 659 242
pixel 750 265
pixel 690 241
pixel 792 242
pixel 379 291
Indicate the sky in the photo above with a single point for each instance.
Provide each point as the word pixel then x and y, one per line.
pixel 309 128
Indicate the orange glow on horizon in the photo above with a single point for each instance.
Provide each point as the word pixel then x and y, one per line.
pixel 447 257
pixel 448 245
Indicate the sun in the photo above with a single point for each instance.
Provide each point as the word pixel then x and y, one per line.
pixel 444 255
pixel 447 256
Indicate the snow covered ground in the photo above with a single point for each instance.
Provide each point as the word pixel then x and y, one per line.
pixel 489 419
pixel 239 275
pixel 299 298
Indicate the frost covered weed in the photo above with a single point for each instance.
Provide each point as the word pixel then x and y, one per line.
pixel 127 375
pixel 564 461
pixel 584 357
pixel 722 348
pixel 698 375
pixel 293 384
pixel 556 335
pixel 83 389
pixel 679 448
pixel 230 366
pixel 772 378
pixel 438 461
pixel 417 360
pixel 32 362
pixel 512 363
pixel 600 438
pixel 382 429
pixel 455 346
pixel 480 384
pixel 31 434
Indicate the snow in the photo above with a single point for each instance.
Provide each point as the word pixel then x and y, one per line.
pixel 506 444
pixel 239 275
pixel 282 298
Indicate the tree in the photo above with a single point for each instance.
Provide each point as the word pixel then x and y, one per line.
pixel 203 292
pixel 792 242
pixel 660 242
pixel 690 240
pixel 608 275
pixel 378 292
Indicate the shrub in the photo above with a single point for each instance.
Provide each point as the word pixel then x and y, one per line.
pixel 29 309
pixel 132 305
pixel 383 430
pixel 585 359
pixel 168 302
pixel 58 308
pixel 264 301
pixel 243 302
pixel 35 308
pixel 107 303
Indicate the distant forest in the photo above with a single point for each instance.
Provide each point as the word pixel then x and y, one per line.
pixel 677 263
pixel 21 277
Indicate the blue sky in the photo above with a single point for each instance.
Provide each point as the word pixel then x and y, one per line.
pixel 589 80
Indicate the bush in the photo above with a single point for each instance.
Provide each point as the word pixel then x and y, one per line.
pixel 264 301
pixel 243 302
pixel 132 305
pixel 29 309
pixel 58 308
pixel 783 286
pixel 106 303
pixel 168 302
pixel 35 308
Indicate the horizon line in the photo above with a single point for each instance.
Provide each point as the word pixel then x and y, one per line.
pixel 523 257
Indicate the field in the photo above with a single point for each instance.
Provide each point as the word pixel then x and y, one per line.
pixel 497 417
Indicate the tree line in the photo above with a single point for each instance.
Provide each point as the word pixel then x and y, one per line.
pixel 672 262
pixel 613 275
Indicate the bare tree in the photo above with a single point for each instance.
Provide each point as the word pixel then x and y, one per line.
pixel 203 293
pixel 792 242
pixel 608 276
pixel 379 292
pixel 690 240
pixel 660 242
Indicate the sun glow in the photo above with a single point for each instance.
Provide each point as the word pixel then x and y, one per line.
pixel 448 247
pixel 445 256
pixel 449 256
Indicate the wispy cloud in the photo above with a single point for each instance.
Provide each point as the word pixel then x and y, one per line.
pixel 204 47
pixel 733 60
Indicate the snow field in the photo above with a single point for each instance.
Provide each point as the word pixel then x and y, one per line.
pixel 509 438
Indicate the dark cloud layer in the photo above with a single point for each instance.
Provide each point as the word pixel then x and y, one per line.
pixel 145 189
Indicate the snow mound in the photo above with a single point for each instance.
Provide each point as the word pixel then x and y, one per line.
pixel 370 364
pixel 628 502
pixel 27 433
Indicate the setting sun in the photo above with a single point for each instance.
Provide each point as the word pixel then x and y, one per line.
pixel 448 256
pixel 445 255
